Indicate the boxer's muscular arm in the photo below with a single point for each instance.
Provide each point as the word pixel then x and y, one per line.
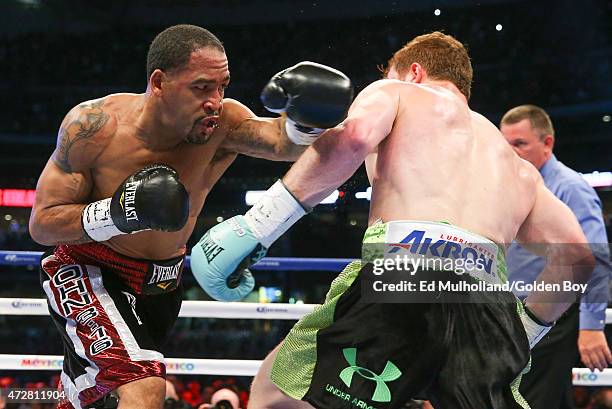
pixel 258 137
pixel 339 151
pixel 552 231
pixel 65 184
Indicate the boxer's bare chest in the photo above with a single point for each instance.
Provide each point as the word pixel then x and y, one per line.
pixel 198 166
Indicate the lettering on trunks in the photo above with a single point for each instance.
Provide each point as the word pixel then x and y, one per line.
pixel 96 331
pixel 210 248
pixel 129 197
pixel 447 246
pixel 345 396
pixel 162 276
pixel 165 273
pixel 74 296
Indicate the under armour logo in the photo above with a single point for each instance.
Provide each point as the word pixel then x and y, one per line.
pixel 390 373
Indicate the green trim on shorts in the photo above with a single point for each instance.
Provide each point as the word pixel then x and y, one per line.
pixel 295 362
pixel 516 383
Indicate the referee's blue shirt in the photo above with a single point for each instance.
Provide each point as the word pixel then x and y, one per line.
pixel 578 195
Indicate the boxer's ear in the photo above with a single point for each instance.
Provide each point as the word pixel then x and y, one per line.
pixel 155 82
pixel 416 73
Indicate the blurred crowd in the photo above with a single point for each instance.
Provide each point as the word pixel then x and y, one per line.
pixel 181 392
pixel 51 71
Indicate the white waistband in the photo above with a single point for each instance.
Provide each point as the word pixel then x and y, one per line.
pixel 454 248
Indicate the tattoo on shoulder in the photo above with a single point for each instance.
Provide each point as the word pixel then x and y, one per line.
pixel 84 127
pixel 97 103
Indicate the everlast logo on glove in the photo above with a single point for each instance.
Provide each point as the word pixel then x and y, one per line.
pixel 129 196
pixel 210 248
pixel 163 276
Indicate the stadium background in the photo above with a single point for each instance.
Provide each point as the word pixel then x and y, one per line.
pixel 56 54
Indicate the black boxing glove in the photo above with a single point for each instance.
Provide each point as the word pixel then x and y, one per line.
pixel 151 199
pixel 313 96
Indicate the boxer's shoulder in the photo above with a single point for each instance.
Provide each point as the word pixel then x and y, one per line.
pixel 234 112
pixel 529 178
pixel 94 118
pixel 417 100
pixel 84 133
pixel 388 86
pixel 233 118
pixel 527 171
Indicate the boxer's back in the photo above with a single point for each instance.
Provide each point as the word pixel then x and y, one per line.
pixel 444 162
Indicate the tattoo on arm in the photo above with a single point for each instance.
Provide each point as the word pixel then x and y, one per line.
pixel 249 138
pixel 86 127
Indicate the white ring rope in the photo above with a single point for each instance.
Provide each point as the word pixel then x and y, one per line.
pixel 193 309
pixel 178 366
pixel 196 309
pixel 233 367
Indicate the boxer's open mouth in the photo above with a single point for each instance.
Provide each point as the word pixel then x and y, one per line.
pixel 210 123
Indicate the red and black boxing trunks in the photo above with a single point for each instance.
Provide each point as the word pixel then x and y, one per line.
pixel 114 314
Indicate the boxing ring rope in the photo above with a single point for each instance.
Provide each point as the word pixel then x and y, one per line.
pixel 189 309
pixel 175 366
pixel 212 309
pixel 29 258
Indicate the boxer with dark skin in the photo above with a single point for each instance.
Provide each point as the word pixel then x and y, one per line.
pixel 172 143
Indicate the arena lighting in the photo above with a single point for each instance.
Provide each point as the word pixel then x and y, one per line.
pixel 25 197
pixel 17 197
pixel 598 179
pixel 364 195
pixel 595 179
pixel 252 196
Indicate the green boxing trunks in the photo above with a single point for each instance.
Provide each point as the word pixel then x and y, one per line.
pixel 353 353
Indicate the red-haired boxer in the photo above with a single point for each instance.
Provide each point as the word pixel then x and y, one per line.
pixel 446 187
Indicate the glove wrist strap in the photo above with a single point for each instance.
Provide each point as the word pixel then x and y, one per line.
pixel 97 221
pixel 274 214
pixel 300 135
pixel 535 318
pixel 535 328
